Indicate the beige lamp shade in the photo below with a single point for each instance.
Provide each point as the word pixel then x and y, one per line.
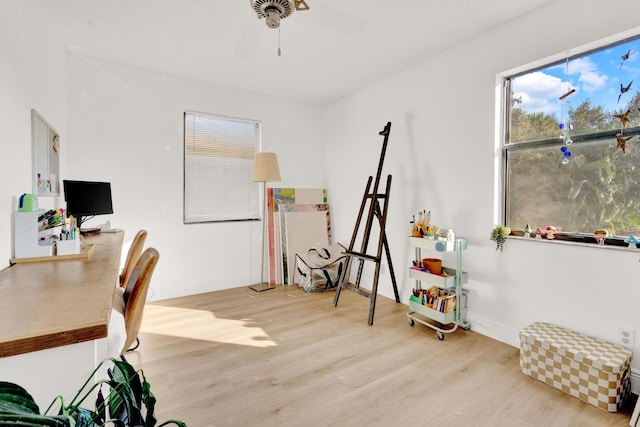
pixel 266 168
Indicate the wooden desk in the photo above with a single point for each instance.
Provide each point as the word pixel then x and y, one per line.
pixel 55 303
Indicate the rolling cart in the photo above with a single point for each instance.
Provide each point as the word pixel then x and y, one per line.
pixel 449 283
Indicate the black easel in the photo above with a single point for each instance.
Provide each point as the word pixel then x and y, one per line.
pixel 381 214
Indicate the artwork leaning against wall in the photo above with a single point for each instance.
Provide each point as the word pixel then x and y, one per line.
pixel 572 147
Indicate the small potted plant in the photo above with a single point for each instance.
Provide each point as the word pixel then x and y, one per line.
pixel 499 235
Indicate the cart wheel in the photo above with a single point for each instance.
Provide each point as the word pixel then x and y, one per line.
pixel 440 336
pixel 411 322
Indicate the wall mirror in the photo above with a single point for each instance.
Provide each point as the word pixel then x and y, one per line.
pixel 45 148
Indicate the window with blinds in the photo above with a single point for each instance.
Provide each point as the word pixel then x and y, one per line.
pixel 219 154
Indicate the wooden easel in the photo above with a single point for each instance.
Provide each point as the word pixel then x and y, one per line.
pixel 373 198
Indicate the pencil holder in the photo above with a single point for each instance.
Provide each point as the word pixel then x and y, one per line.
pixel 68 247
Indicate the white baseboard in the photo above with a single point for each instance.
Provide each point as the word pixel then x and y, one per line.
pixel 635 382
pixel 494 330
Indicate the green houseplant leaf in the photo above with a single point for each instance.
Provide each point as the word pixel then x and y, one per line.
pixel 14 398
pixel 150 402
pixel 17 407
pixel 129 402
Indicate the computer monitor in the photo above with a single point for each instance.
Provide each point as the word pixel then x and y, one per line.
pixel 86 199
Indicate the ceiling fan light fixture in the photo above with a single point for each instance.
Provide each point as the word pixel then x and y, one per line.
pixel 272 17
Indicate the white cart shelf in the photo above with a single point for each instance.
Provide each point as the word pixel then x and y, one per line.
pixel 454 279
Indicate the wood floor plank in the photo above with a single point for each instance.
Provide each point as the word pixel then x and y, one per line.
pixel 287 358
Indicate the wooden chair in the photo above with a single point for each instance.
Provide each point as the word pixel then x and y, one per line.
pixel 135 296
pixel 132 257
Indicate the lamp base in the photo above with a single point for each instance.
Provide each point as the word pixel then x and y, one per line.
pixel 259 287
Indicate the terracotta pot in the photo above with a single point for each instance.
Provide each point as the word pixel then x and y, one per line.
pixel 434 265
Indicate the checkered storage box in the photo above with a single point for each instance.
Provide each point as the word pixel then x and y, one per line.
pixel 593 370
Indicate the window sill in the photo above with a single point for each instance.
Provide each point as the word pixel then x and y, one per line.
pixel 615 243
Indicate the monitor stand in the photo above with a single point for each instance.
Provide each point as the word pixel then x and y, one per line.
pixel 85 230
pixel 89 230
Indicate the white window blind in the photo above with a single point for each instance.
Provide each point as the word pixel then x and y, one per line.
pixel 219 154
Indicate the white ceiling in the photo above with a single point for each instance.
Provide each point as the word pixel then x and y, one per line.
pixel 328 52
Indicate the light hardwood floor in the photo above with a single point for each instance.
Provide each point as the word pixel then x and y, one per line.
pixel 286 358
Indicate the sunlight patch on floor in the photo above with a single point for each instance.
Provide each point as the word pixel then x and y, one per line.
pixel 203 325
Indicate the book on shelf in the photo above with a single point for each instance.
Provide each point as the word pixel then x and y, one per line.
pixel 440 299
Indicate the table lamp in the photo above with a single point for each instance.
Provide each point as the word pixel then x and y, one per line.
pixel 265 170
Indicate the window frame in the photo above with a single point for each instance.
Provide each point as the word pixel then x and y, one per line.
pixel 504 146
pixel 254 197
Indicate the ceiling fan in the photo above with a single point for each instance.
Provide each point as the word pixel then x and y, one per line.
pixel 331 18
pixel 275 10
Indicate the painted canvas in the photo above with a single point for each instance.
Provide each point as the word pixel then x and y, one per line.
pixel 304 230
pixel 275 222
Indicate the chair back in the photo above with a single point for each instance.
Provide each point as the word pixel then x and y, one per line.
pixel 132 257
pixel 135 294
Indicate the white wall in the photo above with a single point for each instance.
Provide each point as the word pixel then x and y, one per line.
pixel 32 75
pixel 126 128
pixel 441 155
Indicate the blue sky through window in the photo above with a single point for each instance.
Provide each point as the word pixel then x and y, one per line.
pixel 596 76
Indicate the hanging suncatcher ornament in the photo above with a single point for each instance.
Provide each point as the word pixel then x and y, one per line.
pixel 565 130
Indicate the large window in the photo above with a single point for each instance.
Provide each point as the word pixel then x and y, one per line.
pixel 218 164
pixel 571 145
